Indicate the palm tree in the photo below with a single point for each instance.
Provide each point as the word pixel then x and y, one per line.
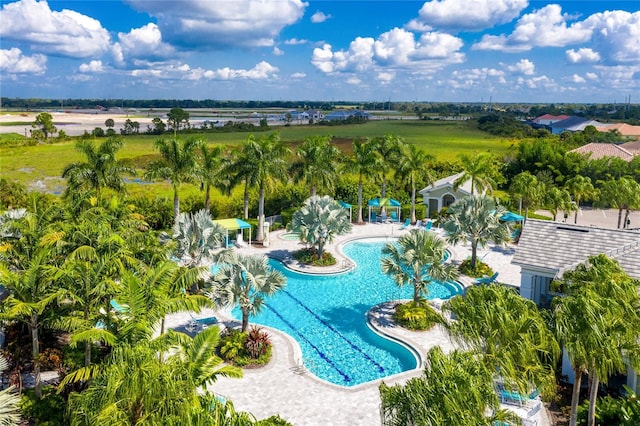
pixel 9 402
pixel 417 259
pixel 100 170
pixel 319 221
pixel 197 238
pixel 510 334
pixel 476 219
pixel 136 386
pixel 480 169
pixel 557 199
pixel 179 164
pixel 245 280
pixel 389 147
pixel 315 163
pixel 211 171
pixel 364 162
pixel 269 164
pixel 605 334
pixel 528 190
pixel 621 194
pixel 456 388
pixel 412 168
pixel 240 170
pixel 581 188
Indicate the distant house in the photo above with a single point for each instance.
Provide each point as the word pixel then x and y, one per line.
pixel 343 115
pixel 441 194
pixel 546 250
pixel 572 124
pixel 548 119
pixel 601 150
pixel 315 115
pixel 626 130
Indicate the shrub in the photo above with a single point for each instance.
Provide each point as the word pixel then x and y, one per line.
pixel 416 316
pixel 257 342
pixel 309 256
pixel 242 350
pixel 273 421
pixel 48 411
pixel 481 269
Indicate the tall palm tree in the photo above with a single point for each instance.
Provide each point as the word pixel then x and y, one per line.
pixel 179 164
pixel 9 402
pixel 622 194
pixel 606 301
pixel 581 188
pixel 417 259
pixel 509 333
pixel 528 190
pixel 557 199
pixel 136 386
pixel 240 170
pixel 390 148
pixel 476 219
pixel 480 169
pixel 365 162
pixel 100 170
pixel 455 388
pixel 269 164
pixel 319 221
pixel 413 168
pixel 315 163
pixel 245 280
pixel 211 171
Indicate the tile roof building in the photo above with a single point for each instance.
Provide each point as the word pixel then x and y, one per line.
pixel 600 150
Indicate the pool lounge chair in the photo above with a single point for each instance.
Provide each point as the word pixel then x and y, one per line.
pixel 200 323
pixel 428 226
pixel 487 280
pixel 374 217
pixel 406 224
pixel 418 223
pixel 394 217
pixel 117 307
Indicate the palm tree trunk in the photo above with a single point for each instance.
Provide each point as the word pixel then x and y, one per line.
pixel 320 248
pixel 413 204
pixel 207 199
pixel 593 396
pixel 360 201
pixel 619 217
pixel 575 396
pixel 384 186
pixel 246 200
pixel 35 349
pixel 575 217
pixel 245 320
pixel 176 202
pixel 87 344
pixel 416 294
pixel 626 223
pixel 313 190
pixel 474 254
pixel 260 236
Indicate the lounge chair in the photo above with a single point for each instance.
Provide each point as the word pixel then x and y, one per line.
pixel 394 217
pixel 428 226
pixel 418 223
pixel 406 224
pixel 117 307
pixel 200 323
pixel 374 217
pixel 383 217
pixel 487 280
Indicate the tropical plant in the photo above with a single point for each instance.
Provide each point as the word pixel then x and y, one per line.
pixel 365 163
pixel 455 389
pixel 510 334
pixel 390 148
pixel 136 386
pixel 622 194
pixel 245 280
pixel 179 164
pixel 240 171
pixel 269 164
pixel 211 171
pixel 529 192
pixel 481 170
pixel 100 170
pixel 197 238
pixel 44 123
pixel 315 163
pixel 412 168
pixel 581 188
pixel 476 219
pixel 597 323
pixel 176 117
pixel 9 401
pixel 418 258
pixel 319 221
pixel 557 199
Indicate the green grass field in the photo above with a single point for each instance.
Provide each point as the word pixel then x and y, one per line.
pixel 42 164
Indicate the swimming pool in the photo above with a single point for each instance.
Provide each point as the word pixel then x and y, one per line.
pixel 326 316
pixel 290 236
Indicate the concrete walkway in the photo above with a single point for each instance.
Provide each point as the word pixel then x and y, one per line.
pixel 284 387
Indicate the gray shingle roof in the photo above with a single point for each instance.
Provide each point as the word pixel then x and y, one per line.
pixel 557 247
pixel 448 181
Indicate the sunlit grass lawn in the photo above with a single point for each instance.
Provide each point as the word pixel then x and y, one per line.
pixel 443 140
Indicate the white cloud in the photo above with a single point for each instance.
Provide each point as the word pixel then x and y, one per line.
pixel 319 17
pixel 546 27
pixel 395 49
pixel 92 67
pixel 524 66
pixel 592 76
pixel 386 77
pixel 584 55
pixel 295 41
pixel 278 52
pixel 466 15
pixel 64 33
pixel 616 36
pixel 355 81
pixel 141 44
pixel 262 71
pixel 578 79
pixel 205 24
pixel 298 75
pixel 475 78
pixel 12 61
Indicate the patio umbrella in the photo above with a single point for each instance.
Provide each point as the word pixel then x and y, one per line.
pixel 511 217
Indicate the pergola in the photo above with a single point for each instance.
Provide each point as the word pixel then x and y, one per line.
pixel 233 225
pixel 377 204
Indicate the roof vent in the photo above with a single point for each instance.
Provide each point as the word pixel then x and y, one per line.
pixel 565 228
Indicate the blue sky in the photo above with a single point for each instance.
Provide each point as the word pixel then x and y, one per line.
pixel 441 50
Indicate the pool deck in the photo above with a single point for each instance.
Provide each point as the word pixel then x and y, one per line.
pixel 284 387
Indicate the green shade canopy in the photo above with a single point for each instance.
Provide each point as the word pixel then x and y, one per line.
pixel 384 202
pixel 233 224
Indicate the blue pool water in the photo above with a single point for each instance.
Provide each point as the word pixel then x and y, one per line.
pixel 326 316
